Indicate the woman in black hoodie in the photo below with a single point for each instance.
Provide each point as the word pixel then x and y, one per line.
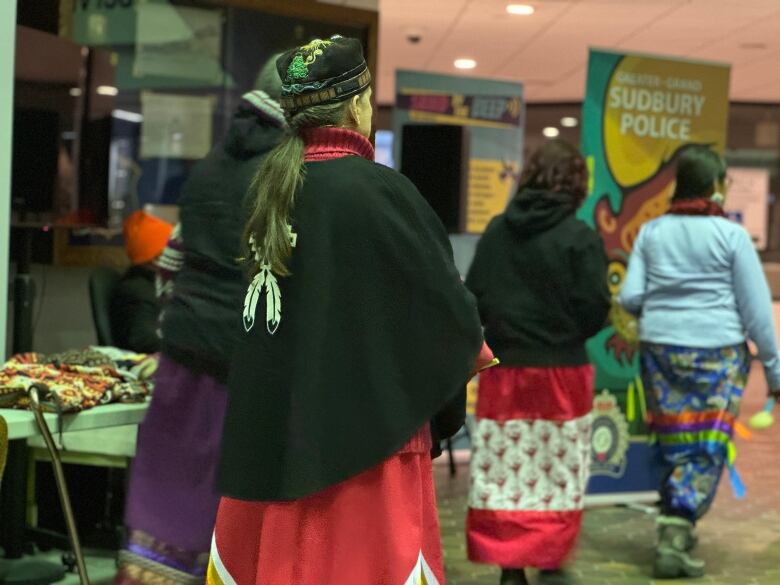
pixel 172 499
pixel 540 276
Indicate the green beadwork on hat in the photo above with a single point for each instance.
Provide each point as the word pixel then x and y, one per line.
pixel 298 68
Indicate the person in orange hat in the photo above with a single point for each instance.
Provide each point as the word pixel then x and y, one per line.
pixel 135 309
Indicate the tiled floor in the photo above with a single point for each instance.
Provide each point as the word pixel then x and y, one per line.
pixel 101 569
pixel 740 540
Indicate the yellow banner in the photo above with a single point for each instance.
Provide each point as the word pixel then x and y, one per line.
pixel 655 106
pixel 490 184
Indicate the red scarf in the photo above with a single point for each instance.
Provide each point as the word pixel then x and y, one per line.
pixel 698 206
pixel 329 142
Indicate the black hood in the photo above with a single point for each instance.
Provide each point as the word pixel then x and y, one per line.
pixel 533 211
pixel 251 134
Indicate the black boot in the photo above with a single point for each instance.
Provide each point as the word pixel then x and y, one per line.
pixel 676 539
pixel 513 577
pixel 556 577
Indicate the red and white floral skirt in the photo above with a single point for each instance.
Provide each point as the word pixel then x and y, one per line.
pixel 380 527
pixel 529 465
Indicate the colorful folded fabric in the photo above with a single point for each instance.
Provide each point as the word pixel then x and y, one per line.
pixel 77 380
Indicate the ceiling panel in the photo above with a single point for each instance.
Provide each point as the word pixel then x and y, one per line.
pixel 498 44
pixel 429 22
pixel 767 93
pixel 548 50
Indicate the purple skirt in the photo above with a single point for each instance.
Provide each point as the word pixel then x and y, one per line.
pixel 172 502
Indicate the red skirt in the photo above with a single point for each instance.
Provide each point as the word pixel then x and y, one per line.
pixel 529 465
pixel 380 527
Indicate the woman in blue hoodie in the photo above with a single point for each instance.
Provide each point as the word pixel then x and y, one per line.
pixel 540 277
pixel 696 282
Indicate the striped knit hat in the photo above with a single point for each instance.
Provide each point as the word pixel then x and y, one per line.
pixel 265 105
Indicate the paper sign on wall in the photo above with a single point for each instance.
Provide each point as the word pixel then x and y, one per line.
pixel 748 200
pixel 176 126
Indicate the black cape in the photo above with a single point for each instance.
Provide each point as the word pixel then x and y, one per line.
pixel 376 335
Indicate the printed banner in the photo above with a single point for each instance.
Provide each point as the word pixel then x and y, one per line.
pixel 639 114
pixel 442 108
pixel 493 111
pixel 491 183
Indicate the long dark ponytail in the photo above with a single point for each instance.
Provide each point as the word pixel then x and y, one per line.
pixel 275 184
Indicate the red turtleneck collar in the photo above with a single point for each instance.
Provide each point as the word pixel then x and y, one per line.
pixel 329 143
pixel 698 206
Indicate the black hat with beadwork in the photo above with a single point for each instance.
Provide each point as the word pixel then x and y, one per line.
pixel 322 72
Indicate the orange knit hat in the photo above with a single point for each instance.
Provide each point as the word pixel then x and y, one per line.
pixel 145 237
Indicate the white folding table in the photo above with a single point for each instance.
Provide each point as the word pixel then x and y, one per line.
pixel 21 428
pixel 21 423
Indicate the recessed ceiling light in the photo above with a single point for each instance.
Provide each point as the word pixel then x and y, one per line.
pixel 107 90
pixel 520 9
pixel 569 122
pixel 465 63
pixel 75 92
pixel 551 132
